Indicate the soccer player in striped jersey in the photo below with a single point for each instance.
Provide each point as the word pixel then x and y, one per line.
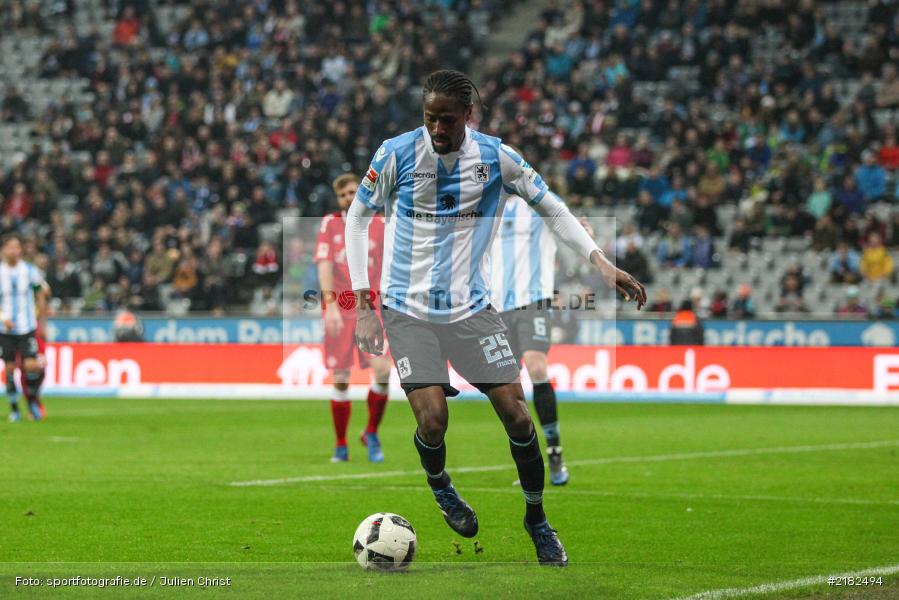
pixel 442 186
pixel 23 292
pixel 524 256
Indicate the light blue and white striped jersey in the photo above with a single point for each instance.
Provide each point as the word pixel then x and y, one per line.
pixel 17 287
pixel 441 218
pixel 524 256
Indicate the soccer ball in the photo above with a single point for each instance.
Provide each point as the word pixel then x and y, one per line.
pixel 384 542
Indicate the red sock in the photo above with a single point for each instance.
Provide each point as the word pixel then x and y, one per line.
pixel 340 412
pixel 376 405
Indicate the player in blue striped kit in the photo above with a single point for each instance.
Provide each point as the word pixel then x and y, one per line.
pixel 524 256
pixel 442 187
pixel 23 293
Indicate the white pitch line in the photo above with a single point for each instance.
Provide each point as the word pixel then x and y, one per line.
pixel 792 584
pixel 664 496
pixel 576 463
pixel 647 495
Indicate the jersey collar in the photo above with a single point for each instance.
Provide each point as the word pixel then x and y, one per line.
pixel 467 143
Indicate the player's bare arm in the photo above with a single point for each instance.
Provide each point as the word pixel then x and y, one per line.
pixel 332 318
pixel 577 236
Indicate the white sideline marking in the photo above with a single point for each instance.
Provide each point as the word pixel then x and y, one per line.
pixel 575 463
pixel 62 439
pixel 780 586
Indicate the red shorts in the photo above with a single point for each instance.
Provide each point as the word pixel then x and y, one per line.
pixel 340 348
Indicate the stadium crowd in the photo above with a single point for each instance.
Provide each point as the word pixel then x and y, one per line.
pixel 204 129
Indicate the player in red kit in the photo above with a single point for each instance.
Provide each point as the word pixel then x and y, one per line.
pixel 339 315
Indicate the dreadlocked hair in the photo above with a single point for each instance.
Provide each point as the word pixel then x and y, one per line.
pixel 451 83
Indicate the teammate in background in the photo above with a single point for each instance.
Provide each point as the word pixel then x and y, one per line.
pixel 339 317
pixel 23 292
pixel 441 186
pixel 524 257
pixel 33 393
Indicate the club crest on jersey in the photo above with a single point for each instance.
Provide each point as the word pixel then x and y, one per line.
pixel 482 172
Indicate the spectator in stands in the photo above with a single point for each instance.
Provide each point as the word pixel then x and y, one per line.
pixel 629 235
pixel 740 238
pixel 756 219
pixel 662 302
pixel 675 192
pixel 852 306
pixel 18 205
pixel 681 215
pixel 703 249
pixel 791 299
pixel 266 267
pixel 127 28
pixel 743 306
pixel 160 263
pixel 675 249
pixel 634 261
pixel 656 183
pixel 14 108
pixel 700 302
pixel 876 263
pixel 871 178
pixel 619 165
pixel 825 235
pixel 705 214
pixel 888 96
pixel 108 265
pixel 582 159
pixel 215 275
pixel 820 199
pixel 277 100
pixel 582 187
pixel 94 296
pixel 850 198
pixel 650 215
pixel 186 279
pixel 778 223
pixel 870 226
pixel 884 306
pixel 844 265
pixel 712 184
pixel 718 308
pixel 893 238
pixel 888 156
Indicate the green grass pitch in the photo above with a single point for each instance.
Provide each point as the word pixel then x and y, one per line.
pixel 665 501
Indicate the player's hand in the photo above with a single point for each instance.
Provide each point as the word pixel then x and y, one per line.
pixel 9 324
pixel 369 332
pixel 333 320
pixel 628 286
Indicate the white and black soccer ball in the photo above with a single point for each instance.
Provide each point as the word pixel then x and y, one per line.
pixel 384 542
